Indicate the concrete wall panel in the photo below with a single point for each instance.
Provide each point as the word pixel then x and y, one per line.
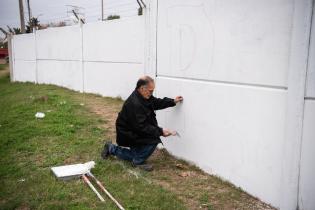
pixel 62 73
pixel 62 43
pixel 24 47
pixel 114 41
pixel 111 79
pixel 307 168
pixel 25 71
pixel 236 132
pixel 310 88
pixel 239 41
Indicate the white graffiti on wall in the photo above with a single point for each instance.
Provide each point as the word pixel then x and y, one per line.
pixel 190 38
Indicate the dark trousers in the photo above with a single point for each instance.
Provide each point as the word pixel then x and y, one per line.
pixel 135 154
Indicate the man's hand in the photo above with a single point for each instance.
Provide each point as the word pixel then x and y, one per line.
pixel 166 132
pixel 178 99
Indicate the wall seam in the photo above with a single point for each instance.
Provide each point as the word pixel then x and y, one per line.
pixel 82 60
pixel 311 30
pixel 295 104
pixel 10 47
pixel 79 60
pixel 156 37
pixel 225 82
pixel 36 55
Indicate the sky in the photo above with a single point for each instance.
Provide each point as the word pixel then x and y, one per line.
pixel 49 11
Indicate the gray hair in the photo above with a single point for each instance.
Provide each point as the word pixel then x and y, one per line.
pixel 144 80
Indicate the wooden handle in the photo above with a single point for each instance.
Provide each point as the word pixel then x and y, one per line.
pixel 86 180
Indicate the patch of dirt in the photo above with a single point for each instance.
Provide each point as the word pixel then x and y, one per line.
pixel 195 188
pixel 23 207
pixel 5 72
pixel 107 108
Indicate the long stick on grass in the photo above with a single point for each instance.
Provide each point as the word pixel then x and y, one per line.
pixel 86 180
pixel 107 193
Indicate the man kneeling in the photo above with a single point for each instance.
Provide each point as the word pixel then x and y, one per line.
pixel 137 127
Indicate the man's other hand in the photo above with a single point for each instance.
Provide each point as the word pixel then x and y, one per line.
pixel 166 132
pixel 178 99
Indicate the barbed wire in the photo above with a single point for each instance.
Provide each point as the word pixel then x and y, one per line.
pixel 123 9
pixel 110 7
pixel 113 3
pixel 55 19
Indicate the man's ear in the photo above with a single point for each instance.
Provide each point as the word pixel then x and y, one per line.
pixel 141 89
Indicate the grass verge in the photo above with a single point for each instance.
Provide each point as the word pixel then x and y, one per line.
pixel 68 134
pixel 72 132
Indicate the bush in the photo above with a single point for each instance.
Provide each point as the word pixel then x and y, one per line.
pixel 112 17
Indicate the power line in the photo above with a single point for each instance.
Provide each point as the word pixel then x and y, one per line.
pixel 120 12
pixel 55 13
pixel 55 19
pixel 116 6
pixel 108 4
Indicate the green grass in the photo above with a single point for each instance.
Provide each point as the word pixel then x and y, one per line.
pixel 68 134
pixel 3 66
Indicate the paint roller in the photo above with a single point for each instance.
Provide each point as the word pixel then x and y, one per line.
pixel 68 172
pixel 72 171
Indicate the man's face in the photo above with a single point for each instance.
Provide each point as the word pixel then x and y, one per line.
pixel 147 90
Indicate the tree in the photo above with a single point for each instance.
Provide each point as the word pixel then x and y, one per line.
pixel 33 23
pixel 140 11
pixel 3 44
pixel 17 30
pixel 112 17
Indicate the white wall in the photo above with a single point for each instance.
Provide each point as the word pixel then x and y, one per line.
pixel 111 79
pixel 307 171
pixel 104 57
pixel 232 131
pixel 63 73
pixel 113 55
pixel 239 41
pixel 62 43
pixel 230 61
pixel 115 41
pixel 59 57
pixel 310 88
pixel 239 66
pixel 307 166
pixel 24 61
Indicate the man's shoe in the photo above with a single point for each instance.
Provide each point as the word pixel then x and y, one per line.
pixel 145 167
pixel 105 153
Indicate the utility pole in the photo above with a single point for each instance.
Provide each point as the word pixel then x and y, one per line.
pixel 22 16
pixel 102 9
pixel 29 15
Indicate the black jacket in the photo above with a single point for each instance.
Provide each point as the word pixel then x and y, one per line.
pixel 136 123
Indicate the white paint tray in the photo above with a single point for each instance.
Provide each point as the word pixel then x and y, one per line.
pixel 72 171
